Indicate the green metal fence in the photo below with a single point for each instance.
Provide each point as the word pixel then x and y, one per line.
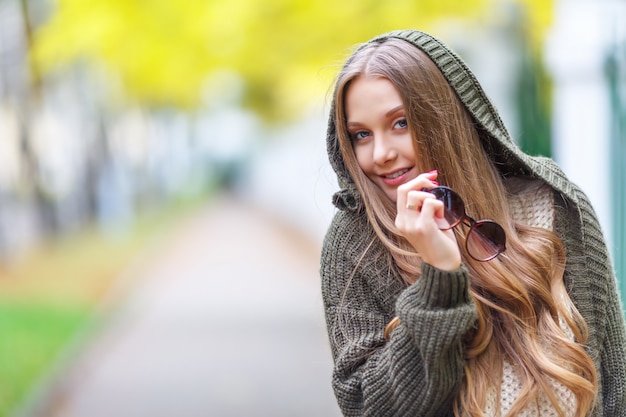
pixel 616 77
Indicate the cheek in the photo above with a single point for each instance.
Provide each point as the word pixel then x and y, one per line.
pixel 409 147
pixel 363 158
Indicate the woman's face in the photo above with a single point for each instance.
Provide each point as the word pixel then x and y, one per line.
pixel 380 136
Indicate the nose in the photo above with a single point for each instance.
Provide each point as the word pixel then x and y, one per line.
pixel 384 151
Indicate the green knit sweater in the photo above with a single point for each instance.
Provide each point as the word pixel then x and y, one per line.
pixel 418 372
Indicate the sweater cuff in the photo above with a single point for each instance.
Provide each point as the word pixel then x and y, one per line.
pixel 440 289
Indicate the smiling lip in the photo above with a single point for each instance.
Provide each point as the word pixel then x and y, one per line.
pixel 392 180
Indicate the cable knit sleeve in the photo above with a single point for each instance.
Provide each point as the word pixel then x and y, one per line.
pixel 607 316
pixel 613 357
pixel 416 372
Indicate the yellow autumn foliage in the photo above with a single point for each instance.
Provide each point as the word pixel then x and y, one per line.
pixel 164 52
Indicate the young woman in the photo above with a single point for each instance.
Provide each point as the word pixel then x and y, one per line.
pixel 432 311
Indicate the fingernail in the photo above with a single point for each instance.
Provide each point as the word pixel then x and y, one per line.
pixel 434 171
pixel 434 182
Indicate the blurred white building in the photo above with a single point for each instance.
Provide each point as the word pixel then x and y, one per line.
pixel 586 54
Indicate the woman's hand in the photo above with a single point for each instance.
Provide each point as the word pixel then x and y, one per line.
pixel 418 219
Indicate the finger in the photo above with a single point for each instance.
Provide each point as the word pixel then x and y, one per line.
pixel 415 200
pixel 410 199
pixel 431 217
pixel 440 216
pixel 431 208
pixel 426 179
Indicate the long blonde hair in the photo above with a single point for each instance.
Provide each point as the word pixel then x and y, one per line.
pixel 520 296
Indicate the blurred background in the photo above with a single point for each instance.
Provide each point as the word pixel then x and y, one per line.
pixel 162 163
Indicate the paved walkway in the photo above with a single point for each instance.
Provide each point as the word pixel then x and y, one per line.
pixel 225 321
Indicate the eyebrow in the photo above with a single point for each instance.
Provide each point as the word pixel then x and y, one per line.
pixel 394 110
pixel 388 114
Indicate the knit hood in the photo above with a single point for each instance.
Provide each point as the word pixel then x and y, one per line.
pixel 508 157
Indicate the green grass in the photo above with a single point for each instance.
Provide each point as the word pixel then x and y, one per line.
pixel 31 336
pixel 50 294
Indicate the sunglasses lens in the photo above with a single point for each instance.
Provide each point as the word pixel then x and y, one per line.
pixel 486 240
pixel 454 206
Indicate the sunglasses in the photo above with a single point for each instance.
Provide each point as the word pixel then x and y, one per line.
pixel 485 240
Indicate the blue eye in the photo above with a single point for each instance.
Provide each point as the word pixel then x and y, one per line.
pixel 360 135
pixel 401 124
